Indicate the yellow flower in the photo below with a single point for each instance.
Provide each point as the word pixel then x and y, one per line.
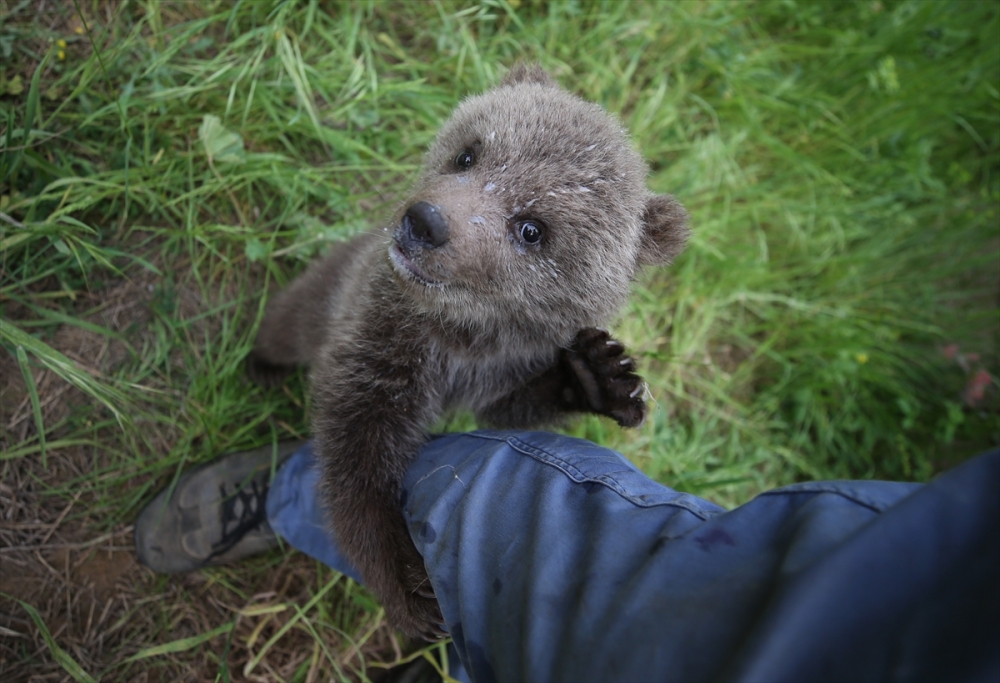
pixel 61 43
pixel 61 54
pixel 861 358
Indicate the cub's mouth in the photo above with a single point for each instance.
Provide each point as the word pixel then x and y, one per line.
pixel 407 269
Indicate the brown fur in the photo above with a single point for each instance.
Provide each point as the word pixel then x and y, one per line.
pixel 452 306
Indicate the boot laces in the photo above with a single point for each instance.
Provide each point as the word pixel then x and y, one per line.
pixel 241 512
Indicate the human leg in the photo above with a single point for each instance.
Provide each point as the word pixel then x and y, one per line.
pixel 295 512
pixel 554 559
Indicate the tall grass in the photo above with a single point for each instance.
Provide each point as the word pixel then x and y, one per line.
pixel 165 164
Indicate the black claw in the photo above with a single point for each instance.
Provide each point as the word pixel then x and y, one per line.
pixel 606 376
pixel 433 634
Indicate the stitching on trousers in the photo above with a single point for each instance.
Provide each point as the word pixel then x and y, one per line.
pixel 603 479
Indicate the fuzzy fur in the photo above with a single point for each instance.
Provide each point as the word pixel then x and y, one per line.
pixel 451 306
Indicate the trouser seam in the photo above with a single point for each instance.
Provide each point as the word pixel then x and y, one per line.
pixel 577 476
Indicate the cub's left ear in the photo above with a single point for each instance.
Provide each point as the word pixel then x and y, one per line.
pixel 665 230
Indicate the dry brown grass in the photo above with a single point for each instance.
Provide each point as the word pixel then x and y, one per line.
pixel 62 554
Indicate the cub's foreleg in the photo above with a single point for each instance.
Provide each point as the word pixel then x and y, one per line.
pixel 593 375
pixel 373 402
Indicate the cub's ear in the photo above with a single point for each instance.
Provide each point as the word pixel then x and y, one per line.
pixel 665 230
pixel 528 73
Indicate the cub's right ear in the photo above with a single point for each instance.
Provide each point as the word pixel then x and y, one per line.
pixel 665 230
pixel 528 73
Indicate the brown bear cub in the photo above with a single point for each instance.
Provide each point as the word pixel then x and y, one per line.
pixel 526 226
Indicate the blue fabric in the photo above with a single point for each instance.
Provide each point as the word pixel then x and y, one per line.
pixel 294 512
pixel 557 560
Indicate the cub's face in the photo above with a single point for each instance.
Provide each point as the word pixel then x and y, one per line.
pixel 530 210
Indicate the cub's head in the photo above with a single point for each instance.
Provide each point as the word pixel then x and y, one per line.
pixel 531 213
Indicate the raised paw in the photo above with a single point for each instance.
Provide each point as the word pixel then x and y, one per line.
pixel 603 378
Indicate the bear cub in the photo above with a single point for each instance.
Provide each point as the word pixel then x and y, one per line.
pixel 486 291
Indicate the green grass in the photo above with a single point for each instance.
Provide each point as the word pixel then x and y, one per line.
pixel 173 161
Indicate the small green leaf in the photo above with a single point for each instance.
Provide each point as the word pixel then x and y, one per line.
pixel 15 86
pixel 221 144
pixel 256 250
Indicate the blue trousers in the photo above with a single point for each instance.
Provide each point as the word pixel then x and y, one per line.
pixel 554 559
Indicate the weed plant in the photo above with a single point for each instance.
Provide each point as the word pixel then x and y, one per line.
pixel 163 165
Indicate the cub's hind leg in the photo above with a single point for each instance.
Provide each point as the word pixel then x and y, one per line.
pixel 296 318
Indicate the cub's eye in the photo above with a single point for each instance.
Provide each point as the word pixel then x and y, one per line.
pixel 530 231
pixel 465 159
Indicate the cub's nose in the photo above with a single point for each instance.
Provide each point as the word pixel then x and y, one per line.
pixel 424 223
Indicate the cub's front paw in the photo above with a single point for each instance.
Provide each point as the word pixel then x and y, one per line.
pixel 603 378
pixel 418 617
pixel 412 605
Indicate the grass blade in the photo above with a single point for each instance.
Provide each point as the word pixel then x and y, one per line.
pixel 61 656
pixel 111 397
pixel 32 105
pixel 181 644
pixel 252 664
pixel 36 405
pixel 23 451
pixel 8 157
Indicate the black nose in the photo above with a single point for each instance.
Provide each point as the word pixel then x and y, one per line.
pixel 425 224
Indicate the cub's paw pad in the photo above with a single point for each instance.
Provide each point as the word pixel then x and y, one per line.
pixel 606 377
